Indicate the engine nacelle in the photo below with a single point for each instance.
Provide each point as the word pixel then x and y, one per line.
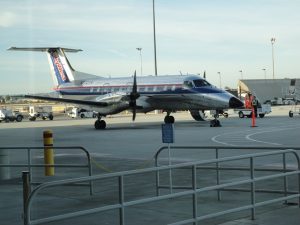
pixel 198 115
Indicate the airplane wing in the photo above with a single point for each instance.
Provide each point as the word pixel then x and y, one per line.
pixel 66 100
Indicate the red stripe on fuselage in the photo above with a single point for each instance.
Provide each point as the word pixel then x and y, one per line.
pixel 117 86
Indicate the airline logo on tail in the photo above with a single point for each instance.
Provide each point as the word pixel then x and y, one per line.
pixel 58 67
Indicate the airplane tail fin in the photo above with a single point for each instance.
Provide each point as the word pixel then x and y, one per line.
pixel 61 70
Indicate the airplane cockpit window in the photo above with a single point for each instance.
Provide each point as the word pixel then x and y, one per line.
pixel 188 84
pixel 201 83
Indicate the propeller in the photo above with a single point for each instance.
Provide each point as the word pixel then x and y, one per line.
pixel 134 95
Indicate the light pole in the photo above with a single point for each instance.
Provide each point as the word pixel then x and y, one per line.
pixel 265 73
pixel 272 42
pixel 241 71
pixel 140 50
pixel 220 79
pixel 154 37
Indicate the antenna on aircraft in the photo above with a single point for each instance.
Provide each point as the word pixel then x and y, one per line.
pixel 204 74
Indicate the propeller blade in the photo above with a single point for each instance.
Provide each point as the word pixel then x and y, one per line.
pixel 134 88
pixel 133 96
pixel 133 113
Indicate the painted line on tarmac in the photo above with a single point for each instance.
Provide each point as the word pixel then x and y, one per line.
pixel 247 137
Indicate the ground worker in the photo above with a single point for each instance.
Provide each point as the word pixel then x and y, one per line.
pixel 254 104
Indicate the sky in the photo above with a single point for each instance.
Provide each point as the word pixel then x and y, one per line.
pixel 193 36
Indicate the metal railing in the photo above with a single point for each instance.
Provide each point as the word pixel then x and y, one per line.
pixel 29 165
pixel 122 203
pixel 218 168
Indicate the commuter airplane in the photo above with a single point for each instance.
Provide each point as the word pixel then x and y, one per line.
pixel 109 96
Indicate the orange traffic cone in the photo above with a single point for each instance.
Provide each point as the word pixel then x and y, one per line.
pixel 253 117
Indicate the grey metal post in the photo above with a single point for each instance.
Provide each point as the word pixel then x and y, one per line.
pixel 252 188
pixel 26 193
pixel 194 180
pixel 121 200
pixel 90 174
pixel 4 159
pixel 218 174
pixel 170 170
pixel 29 164
pixel 285 182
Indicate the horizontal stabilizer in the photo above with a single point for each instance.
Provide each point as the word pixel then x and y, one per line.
pixel 43 49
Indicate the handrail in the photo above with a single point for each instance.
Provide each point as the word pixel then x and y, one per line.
pixel 122 203
pixel 29 165
pixel 223 147
pixel 217 167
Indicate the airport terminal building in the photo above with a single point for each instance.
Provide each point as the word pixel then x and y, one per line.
pixel 275 91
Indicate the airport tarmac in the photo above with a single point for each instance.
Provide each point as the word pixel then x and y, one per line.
pixel 127 145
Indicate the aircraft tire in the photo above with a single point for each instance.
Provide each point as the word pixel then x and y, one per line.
pixel 50 117
pixel 291 114
pixel 100 124
pixel 169 119
pixel 198 115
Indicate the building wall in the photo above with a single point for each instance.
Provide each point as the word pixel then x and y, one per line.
pixel 267 89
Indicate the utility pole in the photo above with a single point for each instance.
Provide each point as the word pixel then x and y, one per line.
pixel 140 50
pixel 154 33
pixel 272 42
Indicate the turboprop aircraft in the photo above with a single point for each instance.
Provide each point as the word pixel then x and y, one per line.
pixel 108 96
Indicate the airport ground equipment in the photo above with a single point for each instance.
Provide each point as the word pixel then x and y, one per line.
pixel 295 92
pixel 262 110
pixel 8 115
pixel 44 112
pixel 82 113
pixel 294 110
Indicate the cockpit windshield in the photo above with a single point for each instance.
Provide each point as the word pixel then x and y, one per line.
pixel 188 84
pixel 201 83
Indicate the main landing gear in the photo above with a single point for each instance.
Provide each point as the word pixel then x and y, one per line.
pixel 169 119
pixel 100 124
pixel 215 122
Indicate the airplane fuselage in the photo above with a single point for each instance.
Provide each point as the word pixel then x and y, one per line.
pixel 176 95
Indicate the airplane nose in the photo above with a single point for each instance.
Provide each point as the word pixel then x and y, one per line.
pixel 235 103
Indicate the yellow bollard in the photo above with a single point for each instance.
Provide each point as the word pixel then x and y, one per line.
pixel 48 152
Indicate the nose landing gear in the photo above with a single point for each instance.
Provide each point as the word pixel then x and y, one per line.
pixel 215 122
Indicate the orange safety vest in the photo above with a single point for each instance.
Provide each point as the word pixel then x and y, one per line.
pixel 248 101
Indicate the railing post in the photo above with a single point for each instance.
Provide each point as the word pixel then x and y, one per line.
pixel 284 178
pixel 218 174
pixel 121 200
pixel 26 193
pixel 90 172
pixel 194 181
pixel 29 164
pixel 252 188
